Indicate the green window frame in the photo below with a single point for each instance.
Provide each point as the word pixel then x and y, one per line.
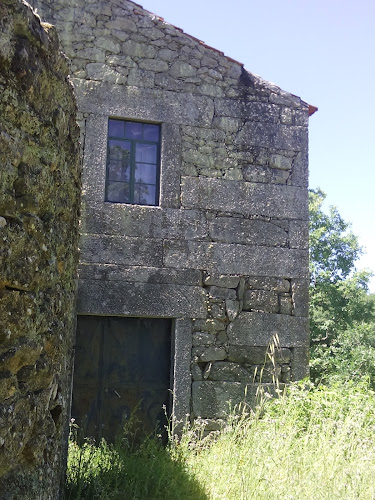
pixel 133 162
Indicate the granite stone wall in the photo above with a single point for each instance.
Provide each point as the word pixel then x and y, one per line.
pixel 39 205
pixel 226 251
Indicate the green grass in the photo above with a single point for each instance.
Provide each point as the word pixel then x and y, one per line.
pixel 313 443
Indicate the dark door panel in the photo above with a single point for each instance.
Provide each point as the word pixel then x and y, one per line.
pixel 122 367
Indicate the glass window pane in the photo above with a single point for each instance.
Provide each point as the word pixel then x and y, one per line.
pixel 118 191
pixel 119 150
pixel 145 153
pixel 118 171
pixel 145 173
pixel 144 194
pixel 116 128
pixel 133 130
pixel 151 132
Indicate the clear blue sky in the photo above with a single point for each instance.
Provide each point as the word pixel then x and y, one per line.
pixel 322 51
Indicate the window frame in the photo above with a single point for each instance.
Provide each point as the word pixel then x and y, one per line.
pixel 132 162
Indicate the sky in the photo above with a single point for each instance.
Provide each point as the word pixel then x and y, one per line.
pixel 324 52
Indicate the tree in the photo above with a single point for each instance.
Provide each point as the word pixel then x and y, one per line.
pixel 341 311
pixel 333 249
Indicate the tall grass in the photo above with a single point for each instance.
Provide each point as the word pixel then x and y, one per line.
pixel 127 469
pixel 311 443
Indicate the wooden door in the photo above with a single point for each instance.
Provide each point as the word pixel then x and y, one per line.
pixel 122 367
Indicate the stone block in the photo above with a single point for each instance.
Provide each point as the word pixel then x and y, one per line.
pixel 108 44
pixel 248 110
pixel 121 23
pixel 221 293
pixel 227 124
pixel 266 283
pixel 215 399
pixel 120 219
pixel 92 54
pixel 121 250
pixel 142 50
pixel 235 259
pixel 261 300
pixel 121 60
pixel 253 355
pixel 143 104
pixel 209 62
pixel 210 325
pixel 170 165
pixel 232 308
pixel 198 158
pixel 155 275
pixel 211 353
pixel 268 200
pixel 221 337
pixel 140 299
pixel 244 231
pixel 241 289
pixel 285 374
pixel 180 69
pixel 167 54
pixel 102 72
pixel 141 78
pixel 286 116
pixel 212 424
pixel 216 308
pixel 300 297
pixel 286 99
pixel 167 82
pixel 152 33
pixel 268 374
pixel 153 65
pixel 280 162
pixel 299 234
pixel 196 372
pixel 259 173
pixel 233 174
pixel 257 329
pixel 203 339
pixel 270 135
pixel 300 171
pixel 286 305
pixel 210 90
pixel 300 363
pixel 301 117
pixel 221 280
pixel 226 371
pixel 181 369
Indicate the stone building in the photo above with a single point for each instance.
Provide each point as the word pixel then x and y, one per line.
pixel 194 232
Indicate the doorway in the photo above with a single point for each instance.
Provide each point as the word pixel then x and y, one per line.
pixel 122 367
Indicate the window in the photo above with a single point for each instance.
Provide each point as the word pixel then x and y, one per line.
pixel 133 162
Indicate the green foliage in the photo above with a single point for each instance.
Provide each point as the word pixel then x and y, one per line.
pixel 340 308
pixel 312 442
pixel 126 470
pixel 350 356
pixel 333 248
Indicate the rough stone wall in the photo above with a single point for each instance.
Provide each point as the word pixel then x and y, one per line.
pixel 39 206
pixel 225 253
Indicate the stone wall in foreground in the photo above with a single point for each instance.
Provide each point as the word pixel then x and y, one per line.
pixel 226 251
pixel 39 207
